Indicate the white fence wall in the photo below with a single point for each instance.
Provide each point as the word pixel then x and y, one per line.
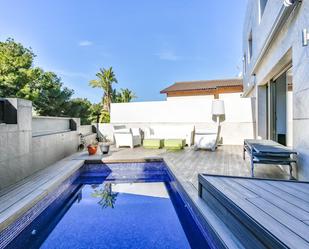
pixel 237 110
pixel 238 124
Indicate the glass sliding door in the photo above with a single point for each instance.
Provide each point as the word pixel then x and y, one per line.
pixel 272 111
pixel 289 106
pixel 280 109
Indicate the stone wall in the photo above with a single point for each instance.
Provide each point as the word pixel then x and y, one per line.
pixel 34 143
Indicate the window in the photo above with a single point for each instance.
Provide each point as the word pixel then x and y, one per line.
pixel 250 47
pixel 262 7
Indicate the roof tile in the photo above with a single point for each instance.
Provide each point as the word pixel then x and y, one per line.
pixel 202 85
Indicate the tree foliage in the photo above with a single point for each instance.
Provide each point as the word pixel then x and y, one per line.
pixel 18 78
pixel 105 80
pixel 123 96
pixel 51 98
pixel 15 67
pixel 116 96
pixel 80 108
pixel 126 95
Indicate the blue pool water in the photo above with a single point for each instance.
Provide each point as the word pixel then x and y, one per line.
pixel 115 206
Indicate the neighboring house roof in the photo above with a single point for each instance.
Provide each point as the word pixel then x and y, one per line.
pixel 204 85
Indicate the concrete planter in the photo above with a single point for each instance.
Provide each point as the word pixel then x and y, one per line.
pixel 104 148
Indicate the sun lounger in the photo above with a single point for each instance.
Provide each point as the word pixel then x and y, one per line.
pixel 268 152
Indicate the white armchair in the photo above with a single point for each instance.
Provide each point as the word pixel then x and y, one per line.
pixel 127 136
pixel 207 139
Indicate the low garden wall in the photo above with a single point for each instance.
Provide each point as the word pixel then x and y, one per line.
pixel 32 143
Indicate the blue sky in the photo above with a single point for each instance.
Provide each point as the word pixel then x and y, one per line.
pixel 149 43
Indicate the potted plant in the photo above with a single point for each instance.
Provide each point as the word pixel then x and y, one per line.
pixel 104 144
pixel 92 148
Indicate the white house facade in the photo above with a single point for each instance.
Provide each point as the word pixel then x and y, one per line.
pixel 276 72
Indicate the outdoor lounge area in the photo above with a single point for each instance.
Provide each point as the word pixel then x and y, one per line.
pixel 137 154
pixel 154 124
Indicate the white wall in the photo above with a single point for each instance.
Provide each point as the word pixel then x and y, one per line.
pixel 286 47
pixel 197 97
pixel 230 95
pixel 239 120
pixel 195 111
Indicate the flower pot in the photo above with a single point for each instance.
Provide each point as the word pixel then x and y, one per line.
pixel 92 149
pixel 104 148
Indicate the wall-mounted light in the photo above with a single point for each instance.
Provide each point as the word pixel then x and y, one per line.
pixel 305 35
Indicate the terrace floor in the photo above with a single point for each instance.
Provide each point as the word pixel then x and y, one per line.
pixel 188 163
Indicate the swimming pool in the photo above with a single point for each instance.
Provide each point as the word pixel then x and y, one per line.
pixel 120 205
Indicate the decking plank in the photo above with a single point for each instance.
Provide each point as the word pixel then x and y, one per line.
pixel 292 223
pixel 20 184
pixel 280 231
pixel 300 203
pixel 54 169
pixel 224 187
pixel 10 198
pixel 275 199
pixel 287 189
pixel 302 187
pixel 245 192
pixel 12 213
pixel 15 201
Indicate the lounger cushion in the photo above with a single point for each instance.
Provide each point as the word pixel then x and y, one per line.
pixel 174 144
pixel 153 143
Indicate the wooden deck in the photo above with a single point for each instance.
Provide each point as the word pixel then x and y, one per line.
pixel 275 211
pixel 18 198
pixel 188 163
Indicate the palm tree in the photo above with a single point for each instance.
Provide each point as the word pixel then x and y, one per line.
pixel 116 97
pixel 105 80
pixel 106 195
pixel 127 95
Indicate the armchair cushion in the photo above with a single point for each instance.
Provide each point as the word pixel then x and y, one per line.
pixel 136 131
pixel 174 144
pixel 153 143
pixel 171 132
